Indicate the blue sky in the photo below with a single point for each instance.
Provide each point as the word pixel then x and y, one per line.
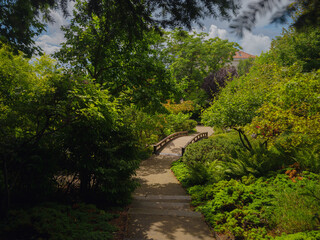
pixel 253 42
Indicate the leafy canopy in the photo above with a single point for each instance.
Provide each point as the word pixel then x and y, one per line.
pixel 194 56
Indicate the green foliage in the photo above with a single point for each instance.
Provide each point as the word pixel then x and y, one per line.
pixel 238 102
pixel 21 23
pixel 293 111
pixel 312 235
pixel 182 173
pixel 251 208
pixel 98 144
pixel 298 47
pixel 184 106
pixel 258 162
pixel 204 161
pixel 308 158
pixel 32 103
pixel 55 222
pixel 149 129
pixel 244 66
pixel 295 212
pixel 52 125
pixel 194 57
pixel 130 67
pixel 218 147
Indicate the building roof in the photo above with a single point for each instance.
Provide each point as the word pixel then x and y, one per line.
pixel 242 55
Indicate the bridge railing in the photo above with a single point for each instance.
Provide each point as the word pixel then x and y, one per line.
pixel 194 139
pixel 157 147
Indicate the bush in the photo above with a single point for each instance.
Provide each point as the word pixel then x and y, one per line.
pixel 184 107
pixel 218 147
pixel 260 161
pixel 56 222
pixel 188 125
pixel 253 208
pixel 213 83
pixel 203 160
pixel 313 235
pixel 149 129
pixel 52 123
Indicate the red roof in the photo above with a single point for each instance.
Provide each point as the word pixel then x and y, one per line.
pixel 243 55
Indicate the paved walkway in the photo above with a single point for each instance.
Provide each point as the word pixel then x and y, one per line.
pixel 161 208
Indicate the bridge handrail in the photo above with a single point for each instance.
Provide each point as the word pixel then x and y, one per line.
pixel 195 139
pixel 160 145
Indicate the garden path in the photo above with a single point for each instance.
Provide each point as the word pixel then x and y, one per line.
pixel 161 208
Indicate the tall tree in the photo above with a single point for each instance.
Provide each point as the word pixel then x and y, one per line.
pixel 194 56
pixel 127 65
pixel 20 20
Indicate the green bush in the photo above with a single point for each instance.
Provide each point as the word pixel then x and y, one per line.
pixel 55 222
pixel 313 235
pixel 188 125
pixel 260 161
pixel 218 147
pixel 182 173
pixel 151 128
pixel 205 159
pixel 52 123
pixel 308 157
pixel 253 208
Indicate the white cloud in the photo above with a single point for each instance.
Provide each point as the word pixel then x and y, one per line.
pixel 251 43
pixel 50 41
pixel 255 44
pixel 47 48
pixel 214 32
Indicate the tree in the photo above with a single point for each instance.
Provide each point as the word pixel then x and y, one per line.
pixel 292 114
pixel 302 48
pixel 194 56
pixel 32 101
pixel 104 50
pixel 20 21
pixel 97 144
pixel 237 103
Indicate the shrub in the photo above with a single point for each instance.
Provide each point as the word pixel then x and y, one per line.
pixel 255 207
pixel 188 125
pixel 312 235
pixel 308 158
pixel 184 107
pixel 218 147
pixel 56 222
pixel 260 161
pixel 204 159
pixel 244 66
pixel 213 83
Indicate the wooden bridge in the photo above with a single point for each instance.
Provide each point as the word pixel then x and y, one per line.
pixel 176 143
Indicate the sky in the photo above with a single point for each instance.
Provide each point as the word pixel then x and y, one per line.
pixel 254 42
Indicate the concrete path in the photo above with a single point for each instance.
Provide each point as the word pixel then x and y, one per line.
pixel 161 208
